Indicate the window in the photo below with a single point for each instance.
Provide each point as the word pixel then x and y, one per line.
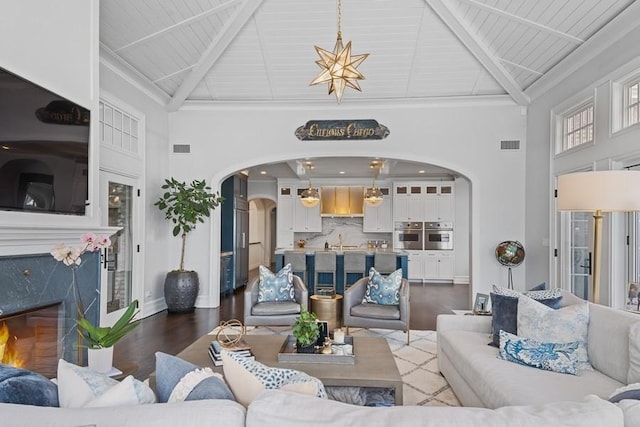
pixel 118 129
pixel 631 103
pixel 577 127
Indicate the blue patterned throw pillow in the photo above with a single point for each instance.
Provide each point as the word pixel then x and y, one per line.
pixel 383 290
pixel 276 287
pixel 556 357
pixel 504 307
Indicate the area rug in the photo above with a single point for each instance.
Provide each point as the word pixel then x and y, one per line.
pixel 423 385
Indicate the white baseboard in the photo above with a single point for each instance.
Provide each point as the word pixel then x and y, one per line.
pixel 152 307
pixel 461 280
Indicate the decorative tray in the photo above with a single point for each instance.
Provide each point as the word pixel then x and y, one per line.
pixel 288 353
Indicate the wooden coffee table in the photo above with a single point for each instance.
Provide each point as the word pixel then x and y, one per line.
pixel 374 363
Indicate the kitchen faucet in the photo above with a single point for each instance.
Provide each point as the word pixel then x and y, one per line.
pixel 340 239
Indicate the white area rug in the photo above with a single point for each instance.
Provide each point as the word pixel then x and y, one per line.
pixel 417 363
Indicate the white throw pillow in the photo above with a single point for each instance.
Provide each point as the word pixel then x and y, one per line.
pixel 80 386
pixel 247 378
pixel 564 325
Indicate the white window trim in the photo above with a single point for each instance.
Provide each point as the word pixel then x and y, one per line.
pixel 133 113
pixel 618 95
pixel 567 108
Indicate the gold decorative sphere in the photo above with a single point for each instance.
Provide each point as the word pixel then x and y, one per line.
pixel 230 333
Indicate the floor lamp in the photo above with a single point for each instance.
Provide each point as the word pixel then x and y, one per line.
pixel 598 192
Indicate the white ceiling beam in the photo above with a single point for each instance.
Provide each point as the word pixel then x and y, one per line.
pixel 184 22
pixel 528 22
pixel 522 67
pixel 479 50
pixel 217 47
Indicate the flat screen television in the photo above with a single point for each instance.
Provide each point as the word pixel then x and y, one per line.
pixel 44 149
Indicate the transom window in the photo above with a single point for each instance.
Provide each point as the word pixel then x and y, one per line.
pixel 118 129
pixel 578 127
pixel 632 103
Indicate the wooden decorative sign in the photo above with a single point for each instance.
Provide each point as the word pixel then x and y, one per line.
pixel 63 113
pixel 318 130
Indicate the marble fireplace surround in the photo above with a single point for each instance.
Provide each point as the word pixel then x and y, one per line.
pixel 30 277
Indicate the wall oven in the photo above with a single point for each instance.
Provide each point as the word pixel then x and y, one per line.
pixel 408 235
pixel 438 236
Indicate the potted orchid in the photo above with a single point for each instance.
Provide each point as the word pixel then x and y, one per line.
pixel 99 340
pixel 71 256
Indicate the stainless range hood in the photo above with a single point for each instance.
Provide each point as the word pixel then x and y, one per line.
pixel 342 201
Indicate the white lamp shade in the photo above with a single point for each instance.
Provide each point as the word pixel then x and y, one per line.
pixel 607 191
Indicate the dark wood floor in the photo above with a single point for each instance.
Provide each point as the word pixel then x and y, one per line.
pixel 171 333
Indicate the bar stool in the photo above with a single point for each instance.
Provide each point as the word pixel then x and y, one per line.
pixel 355 264
pixel 325 267
pixel 298 261
pixel 385 262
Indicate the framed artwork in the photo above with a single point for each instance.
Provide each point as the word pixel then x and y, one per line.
pixel 633 297
pixel 481 306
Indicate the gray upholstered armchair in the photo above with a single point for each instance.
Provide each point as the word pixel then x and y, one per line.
pixel 273 313
pixel 363 315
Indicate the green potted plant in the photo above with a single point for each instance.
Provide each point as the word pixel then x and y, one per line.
pixel 306 331
pixel 185 205
pixel 100 340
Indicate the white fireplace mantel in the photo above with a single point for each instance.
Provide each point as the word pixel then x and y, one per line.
pixel 27 239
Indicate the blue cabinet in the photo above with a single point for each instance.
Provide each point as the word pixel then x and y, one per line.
pixel 401 263
pixel 226 274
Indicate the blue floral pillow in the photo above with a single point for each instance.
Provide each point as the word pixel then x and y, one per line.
pixel 556 357
pixel 276 287
pixel 383 290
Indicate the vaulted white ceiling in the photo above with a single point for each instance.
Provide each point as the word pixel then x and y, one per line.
pixel 263 50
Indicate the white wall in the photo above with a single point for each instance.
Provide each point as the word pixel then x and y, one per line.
pixel 464 137
pixel 584 72
pixel 56 48
pixel 160 249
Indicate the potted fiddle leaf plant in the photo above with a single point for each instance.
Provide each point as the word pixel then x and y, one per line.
pixel 306 331
pixel 185 205
pixel 100 340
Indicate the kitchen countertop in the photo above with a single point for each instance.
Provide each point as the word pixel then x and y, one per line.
pixel 312 251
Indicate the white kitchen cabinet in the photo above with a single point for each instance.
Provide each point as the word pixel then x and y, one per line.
pixel 305 219
pixel 379 219
pixel 415 265
pixel 438 265
pixel 439 202
pixel 408 202
pixel 284 221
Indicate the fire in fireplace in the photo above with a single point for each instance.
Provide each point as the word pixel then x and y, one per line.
pixel 32 339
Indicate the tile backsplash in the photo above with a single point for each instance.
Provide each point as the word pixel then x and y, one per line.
pixel 349 228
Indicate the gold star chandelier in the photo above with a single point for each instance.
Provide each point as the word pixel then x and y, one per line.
pixel 339 68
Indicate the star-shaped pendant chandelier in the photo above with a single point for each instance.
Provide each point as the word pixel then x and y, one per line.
pixel 339 68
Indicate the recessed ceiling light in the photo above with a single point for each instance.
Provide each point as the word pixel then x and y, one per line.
pixel 5 147
pixel 421 171
pixel 263 172
pixel 341 172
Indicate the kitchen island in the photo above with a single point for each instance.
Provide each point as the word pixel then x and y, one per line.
pixel 401 262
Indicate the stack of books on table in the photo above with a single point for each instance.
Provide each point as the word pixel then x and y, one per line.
pixel 215 351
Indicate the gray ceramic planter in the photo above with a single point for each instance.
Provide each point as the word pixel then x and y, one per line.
pixel 181 290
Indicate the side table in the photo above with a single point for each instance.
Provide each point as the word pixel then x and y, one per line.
pixel 328 310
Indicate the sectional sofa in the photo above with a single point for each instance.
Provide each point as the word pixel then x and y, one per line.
pixel 279 408
pixel 479 378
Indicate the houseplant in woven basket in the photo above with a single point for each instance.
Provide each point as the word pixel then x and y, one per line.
pixel 306 331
